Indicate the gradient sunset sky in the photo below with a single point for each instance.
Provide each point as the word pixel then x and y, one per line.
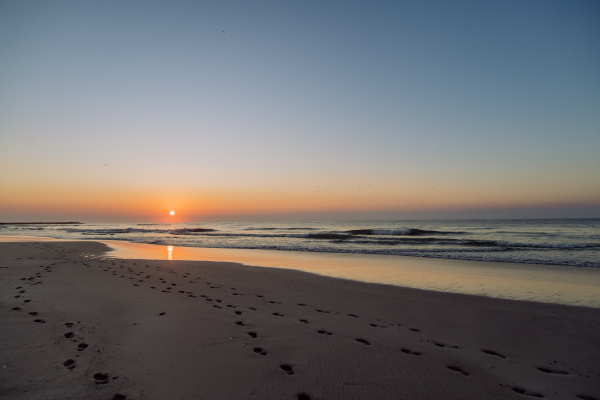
pixel 237 110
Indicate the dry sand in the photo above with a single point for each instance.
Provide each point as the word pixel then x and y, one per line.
pixel 75 327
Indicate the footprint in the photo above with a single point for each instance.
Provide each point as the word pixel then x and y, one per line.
pixel 69 364
pixel 101 378
pixel 119 396
pixel 252 308
pixel 303 320
pixel 240 323
pixel 69 324
pixel 584 397
pixel 492 353
pixel 33 313
pixel 353 315
pixel 82 346
pixel 322 332
pixel 277 314
pixel 287 369
pixel 40 321
pixel 303 396
pixel 552 371
pixel 412 353
pixel 414 330
pixel 260 351
pixel 69 335
pixel 16 309
pixel 253 335
pixel 527 393
pixel 238 312
pixel 363 341
pixel 453 368
pixel 448 346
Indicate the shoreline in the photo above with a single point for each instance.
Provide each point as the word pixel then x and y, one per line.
pixel 322 337
pixel 576 286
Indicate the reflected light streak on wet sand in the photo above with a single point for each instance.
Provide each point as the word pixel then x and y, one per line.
pixel 552 284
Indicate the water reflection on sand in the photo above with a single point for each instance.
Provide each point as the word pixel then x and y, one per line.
pixel 552 284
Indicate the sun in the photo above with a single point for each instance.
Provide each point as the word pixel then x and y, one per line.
pixel 172 213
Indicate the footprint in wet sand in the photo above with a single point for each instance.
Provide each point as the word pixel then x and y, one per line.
pixel 301 304
pixel 412 353
pixel 119 396
pixel 454 368
pixel 288 369
pixel 40 321
pixel 253 335
pixel 260 351
pixel 527 393
pixel 363 341
pixel 69 335
pixel 492 353
pixel 277 314
pixel 448 346
pixel 323 332
pixel 238 312
pixel 101 378
pixel 16 309
pixel 552 371
pixel 69 364
pixel 82 346
pixel 414 330
pixel 303 396
pixel 240 323
pixel 303 320
pixel 69 324
pixel 33 313
pixel 353 315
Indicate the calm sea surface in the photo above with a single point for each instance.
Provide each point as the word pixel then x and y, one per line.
pixel 574 242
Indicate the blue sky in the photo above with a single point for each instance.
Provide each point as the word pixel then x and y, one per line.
pixel 494 100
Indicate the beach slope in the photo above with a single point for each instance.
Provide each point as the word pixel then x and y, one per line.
pixel 74 325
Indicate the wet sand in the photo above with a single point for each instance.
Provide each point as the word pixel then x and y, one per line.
pixel 75 324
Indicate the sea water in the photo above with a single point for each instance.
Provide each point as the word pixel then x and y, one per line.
pixel 570 242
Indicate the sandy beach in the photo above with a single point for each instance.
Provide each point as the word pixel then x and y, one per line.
pixel 77 325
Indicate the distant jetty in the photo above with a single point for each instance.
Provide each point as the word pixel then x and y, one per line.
pixel 41 223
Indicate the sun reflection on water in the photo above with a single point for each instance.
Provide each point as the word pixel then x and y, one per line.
pixel 169 252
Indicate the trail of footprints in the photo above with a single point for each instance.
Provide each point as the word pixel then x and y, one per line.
pixel 71 363
pixel 103 378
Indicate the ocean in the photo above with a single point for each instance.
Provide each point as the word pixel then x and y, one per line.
pixel 571 242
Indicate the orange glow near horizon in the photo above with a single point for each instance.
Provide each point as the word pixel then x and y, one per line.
pixel 89 202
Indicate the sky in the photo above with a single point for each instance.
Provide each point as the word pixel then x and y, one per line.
pixel 292 110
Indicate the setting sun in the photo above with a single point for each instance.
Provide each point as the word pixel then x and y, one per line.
pixel 172 213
